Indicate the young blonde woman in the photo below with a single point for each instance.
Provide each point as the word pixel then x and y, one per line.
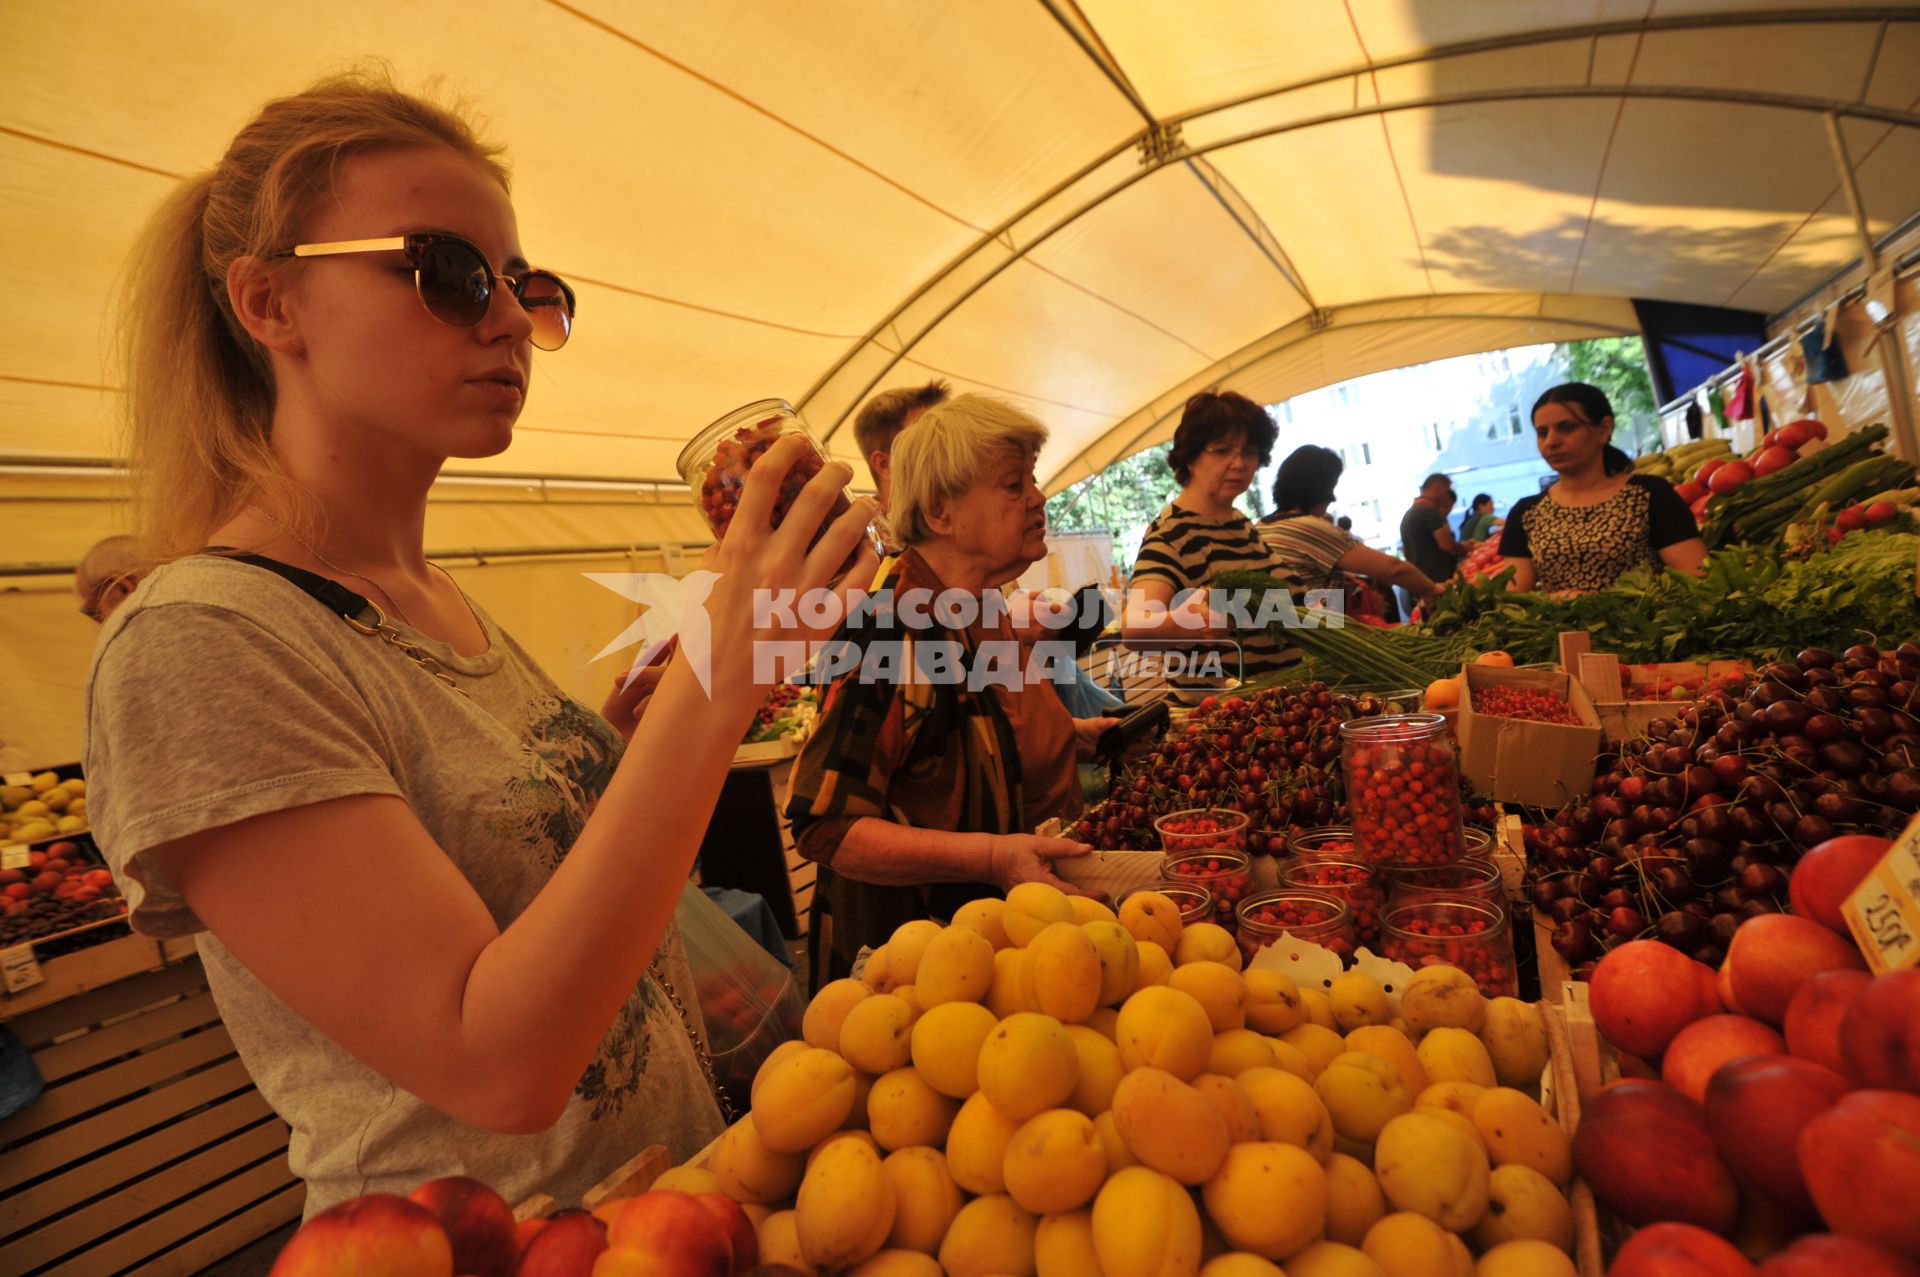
pixel 433 895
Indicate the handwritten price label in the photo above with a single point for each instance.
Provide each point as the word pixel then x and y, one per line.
pixel 1884 910
pixel 19 968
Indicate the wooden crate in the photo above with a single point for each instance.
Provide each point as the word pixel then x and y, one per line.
pixel 150 1153
pixel 74 974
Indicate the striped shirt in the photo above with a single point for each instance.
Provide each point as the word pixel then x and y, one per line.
pixel 1309 548
pixel 1187 550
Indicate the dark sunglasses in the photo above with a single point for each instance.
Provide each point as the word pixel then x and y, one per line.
pixel 456 283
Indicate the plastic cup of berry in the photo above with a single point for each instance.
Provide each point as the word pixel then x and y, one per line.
pixel 1403 789
pixel 1225 875
pixel 1194 903
pixel 1195 828
pixel 716 462
pixel 1469 934
pixel 1310 917
pixel 1359 885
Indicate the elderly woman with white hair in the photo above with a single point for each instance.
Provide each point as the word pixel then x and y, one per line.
pixel 918 791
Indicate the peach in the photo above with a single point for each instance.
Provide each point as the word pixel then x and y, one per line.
pixel 1703 1046
pixel 1880 1033
pixel 682 1237
pixel 743 1242
pixel 1643 993
pixel 478 1221
pixel 1862 1160
pixel 1678 1250
pixel 1827 1255
pixel 1815 1014
pixel 378 1235
pixel 567 1247
pixel 1645 1151
pixel 1827 875
pixel 1756 1109
pixel 1773 955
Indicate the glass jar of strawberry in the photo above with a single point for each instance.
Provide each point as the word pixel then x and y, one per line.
pixel 1195 828
pixel 1476 842
pixel 1225 875
pixel 1311 917
pixel 1403 789
pixel 1325 842
pixel 1471 879
pixel 1359 885
pixel 716 462
pixel 1469 934
pixel 1194 903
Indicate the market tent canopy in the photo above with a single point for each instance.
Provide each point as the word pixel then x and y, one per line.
pixel 1090 208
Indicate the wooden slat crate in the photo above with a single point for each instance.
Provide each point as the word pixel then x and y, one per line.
pixel 151 1152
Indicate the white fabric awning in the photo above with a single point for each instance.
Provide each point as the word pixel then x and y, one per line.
pixel 1091 209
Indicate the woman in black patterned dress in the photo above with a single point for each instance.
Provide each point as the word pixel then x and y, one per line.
pixel 1599 518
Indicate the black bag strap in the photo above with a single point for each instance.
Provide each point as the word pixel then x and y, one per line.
pixel 332 595
pixel 357 610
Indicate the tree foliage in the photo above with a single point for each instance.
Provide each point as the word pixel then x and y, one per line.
pixel 1618 365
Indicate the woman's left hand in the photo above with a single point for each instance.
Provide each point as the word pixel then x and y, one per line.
pixel 1087 733
pixel 628 699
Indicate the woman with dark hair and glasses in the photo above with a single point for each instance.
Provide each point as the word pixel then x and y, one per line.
pixel 1222 441
pixel 1598 518
pixel 433 894
pixel 1313 551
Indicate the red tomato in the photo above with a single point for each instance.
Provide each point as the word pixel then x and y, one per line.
pixel 1881 513
pixel 1851 519
pixel 1707 469
pixel 1772 459
pixel 1699 509
pixel 1729 477
pixel 1815 428
pixel 1691 491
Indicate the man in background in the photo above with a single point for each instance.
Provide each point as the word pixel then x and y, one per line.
pixel 106 576
pixel 1425 539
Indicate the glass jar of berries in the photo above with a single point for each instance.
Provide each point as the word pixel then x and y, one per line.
pixel 716 462
pixel 1472 935
pixel 1359 885
pixel 1194 903
pixel 1194 828
pixel 1312 917
pixel 1325 842
pixel 1477 843
pixel 1403 789
pixel 1472 879
pixel 1225 875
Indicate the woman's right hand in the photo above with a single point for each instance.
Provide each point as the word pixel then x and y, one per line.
pixel 757 561
pixel 1018 858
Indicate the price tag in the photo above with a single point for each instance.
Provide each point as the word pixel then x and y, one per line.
pixel 17 857
pixel 1884 910
pixel 20 968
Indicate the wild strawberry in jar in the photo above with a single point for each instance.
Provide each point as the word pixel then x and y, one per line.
pixel 716 462
pixel 1469 934
pixel 1325 842
pixel 1357 884
pixel 1195 828
pixel 1310 917
pixel 1227 876
pixel 1403 789
pixel 1470 878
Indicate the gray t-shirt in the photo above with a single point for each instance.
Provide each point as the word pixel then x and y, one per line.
pixel 220 691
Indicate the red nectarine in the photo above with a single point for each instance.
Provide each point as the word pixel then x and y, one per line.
pixel 1880 1033
pixel 1827 875
pixel 683 1236
pixel 1756 1108
pixel 1773 955
pixel 1703 1046
pixel 1678 1250
pixel 378 1235
pixel 1827 1255
pixel 1644 1149
pixel 1643 993
pixel 1815 1014
pixel 478 1221
pixel 1862 1162
pixel 566 1247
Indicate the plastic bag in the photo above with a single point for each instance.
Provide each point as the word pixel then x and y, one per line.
pixel 749 999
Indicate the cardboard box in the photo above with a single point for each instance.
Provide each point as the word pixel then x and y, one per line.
pixel 1884 910
pixel 1518 761
pixel 1626 706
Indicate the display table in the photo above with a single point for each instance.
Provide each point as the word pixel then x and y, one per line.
pixel 150 1149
